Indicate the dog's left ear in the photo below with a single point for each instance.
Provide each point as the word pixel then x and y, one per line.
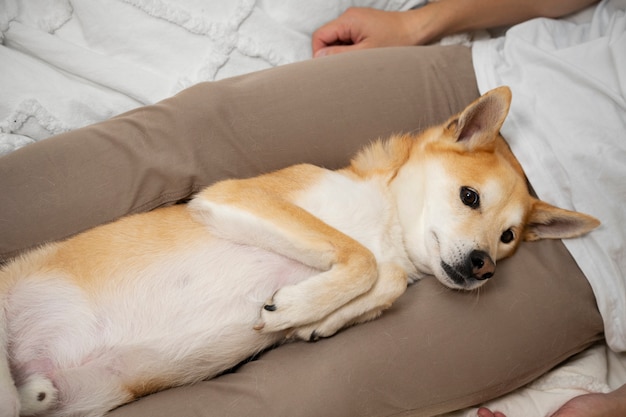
pixel 477 126
pixel 549 222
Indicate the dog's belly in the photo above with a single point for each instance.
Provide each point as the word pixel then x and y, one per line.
pixel 190 315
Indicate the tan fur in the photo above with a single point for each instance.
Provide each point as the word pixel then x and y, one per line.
pixel 89 263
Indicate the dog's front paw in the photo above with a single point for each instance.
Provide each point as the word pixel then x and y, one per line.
pixel 287 309
pixel 330 325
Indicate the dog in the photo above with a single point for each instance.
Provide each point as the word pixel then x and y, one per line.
pixel 182 293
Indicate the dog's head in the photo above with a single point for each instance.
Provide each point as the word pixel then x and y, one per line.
pixel 464 202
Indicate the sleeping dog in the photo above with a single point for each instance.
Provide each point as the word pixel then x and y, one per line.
pixel 182 293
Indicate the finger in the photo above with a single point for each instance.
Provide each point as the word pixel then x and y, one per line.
pixel 339 49
pixel 484 412
pixel 328 36
pixel 338 32
pixel 334 50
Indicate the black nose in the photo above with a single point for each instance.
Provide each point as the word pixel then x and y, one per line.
pixel 483 266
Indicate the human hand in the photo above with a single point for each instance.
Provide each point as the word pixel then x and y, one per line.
pixel 362 28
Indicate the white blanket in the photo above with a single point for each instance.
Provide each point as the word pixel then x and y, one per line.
pixel 66 64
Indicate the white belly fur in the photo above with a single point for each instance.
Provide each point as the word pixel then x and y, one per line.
pixel 204 301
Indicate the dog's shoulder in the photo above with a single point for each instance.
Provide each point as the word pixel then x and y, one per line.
pixel 383 156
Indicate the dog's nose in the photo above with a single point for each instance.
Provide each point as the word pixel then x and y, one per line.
pixel 483 266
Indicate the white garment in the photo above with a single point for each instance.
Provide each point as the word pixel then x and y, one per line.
pixel 567 126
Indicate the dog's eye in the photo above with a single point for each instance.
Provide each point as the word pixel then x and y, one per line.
pixel 507 236
pixel 470 197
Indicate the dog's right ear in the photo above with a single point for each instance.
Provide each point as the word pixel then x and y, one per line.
pixel 478 126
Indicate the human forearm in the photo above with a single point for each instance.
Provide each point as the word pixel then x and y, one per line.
pixel 361 28
pixel 447 17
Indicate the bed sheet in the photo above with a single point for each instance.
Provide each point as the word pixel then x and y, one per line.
pixel 70 63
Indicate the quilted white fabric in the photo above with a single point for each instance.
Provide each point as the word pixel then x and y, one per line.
pixel 69 63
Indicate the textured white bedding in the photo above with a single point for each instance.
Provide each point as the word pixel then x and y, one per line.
pixel 66 64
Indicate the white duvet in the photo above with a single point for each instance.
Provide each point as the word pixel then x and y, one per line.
pixel 66 64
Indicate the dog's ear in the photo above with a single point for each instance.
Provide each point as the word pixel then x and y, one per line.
pixel 478 125
pixel 549 222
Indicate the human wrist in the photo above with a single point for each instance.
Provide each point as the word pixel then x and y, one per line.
pixel 428 23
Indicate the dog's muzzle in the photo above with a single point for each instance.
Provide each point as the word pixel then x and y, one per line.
pixel 478 266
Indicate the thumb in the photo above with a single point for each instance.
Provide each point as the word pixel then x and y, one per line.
pixel 336 49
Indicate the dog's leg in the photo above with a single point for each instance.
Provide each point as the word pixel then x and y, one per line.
pixel 391 284
pixel 89 391
pixel 116 377
pixel 257 212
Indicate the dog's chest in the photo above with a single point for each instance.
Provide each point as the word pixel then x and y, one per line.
pixel 362 209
